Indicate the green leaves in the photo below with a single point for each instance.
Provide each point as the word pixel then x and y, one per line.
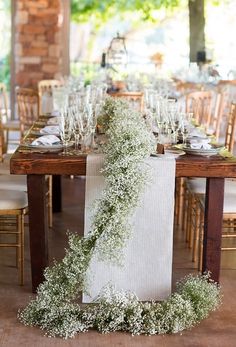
pixel 100 11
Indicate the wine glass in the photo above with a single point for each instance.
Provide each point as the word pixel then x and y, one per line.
pixel 65 129
pixel 86 129
pixel 76 126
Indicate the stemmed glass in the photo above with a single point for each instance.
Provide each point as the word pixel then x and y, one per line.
pixel 86 122
pixel 95 113
pixel 65 130
pixel 184 127
pixel 76 126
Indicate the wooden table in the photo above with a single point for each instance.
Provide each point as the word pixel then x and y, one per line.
pixel 36 165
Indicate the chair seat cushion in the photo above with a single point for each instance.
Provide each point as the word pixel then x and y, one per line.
pixel 7 157
pixel 4 168
pixel 198 186
pixel 229 202
pixel 12 199
pixel 12 125
pixel 13 182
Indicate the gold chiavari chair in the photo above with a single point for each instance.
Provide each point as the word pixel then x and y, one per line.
pixel 185 88
pixel 228 89
pixel 4 160
pixel 13 207
pixel 197 191
pixel 7 124
pixel 201 105
pixel 28 108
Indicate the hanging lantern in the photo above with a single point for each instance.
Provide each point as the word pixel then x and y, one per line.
pixel 117 52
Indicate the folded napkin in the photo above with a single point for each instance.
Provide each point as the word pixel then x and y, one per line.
pixel 54 120
pixel 200 144
pixel 196 133
pixel 50 129
pixel 46 140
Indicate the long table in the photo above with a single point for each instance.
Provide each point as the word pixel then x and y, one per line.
pixel 37 165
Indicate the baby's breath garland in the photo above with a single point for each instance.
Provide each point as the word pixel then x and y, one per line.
pixel 55 309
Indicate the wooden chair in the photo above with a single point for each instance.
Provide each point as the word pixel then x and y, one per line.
pixel 196 191
pixel 185 88
pixel 28 108
pixel 215 128
pixel 13 207
pixel 6 123
pixel 45 89
pixel 228 90
pixel 136 99
pixel 201 105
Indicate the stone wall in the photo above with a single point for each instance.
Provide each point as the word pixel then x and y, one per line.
pixel 38 41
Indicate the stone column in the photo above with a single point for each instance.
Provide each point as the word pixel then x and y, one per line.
pixel 39 41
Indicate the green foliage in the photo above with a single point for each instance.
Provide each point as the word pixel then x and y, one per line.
pixel 87 70
pixel 5 71
pixel 82 10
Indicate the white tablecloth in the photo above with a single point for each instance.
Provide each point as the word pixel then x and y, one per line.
pixel 148 256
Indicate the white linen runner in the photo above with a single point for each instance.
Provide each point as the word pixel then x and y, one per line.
pixel 147 267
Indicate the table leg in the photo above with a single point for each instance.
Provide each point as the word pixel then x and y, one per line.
pixel 214 202
pixel 56 193
pixel 38 227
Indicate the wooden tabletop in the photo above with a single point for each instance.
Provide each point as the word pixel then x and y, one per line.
pixel 56 164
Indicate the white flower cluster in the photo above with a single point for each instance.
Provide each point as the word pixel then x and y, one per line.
pixel 122 311
pixel 129 142
pixel 55 309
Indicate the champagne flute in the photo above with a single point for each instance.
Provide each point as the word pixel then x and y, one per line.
pixel 65 130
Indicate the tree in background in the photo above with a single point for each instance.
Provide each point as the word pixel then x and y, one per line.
pixel 196 28
pixel 101 11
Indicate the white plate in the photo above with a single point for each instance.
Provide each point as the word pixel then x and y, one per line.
pixel 202 151
pixel 169 153
pixel 56 146
pixel 46 133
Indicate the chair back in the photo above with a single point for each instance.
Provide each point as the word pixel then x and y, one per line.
pixel 216 119
pixel 46 86
pixel 228 89
pixel 201 105
pixel 187 87
pixel 28 108
pixel 135 99
pixel 1 144
pixel 230 130
pixel 45 89
pixel 3 101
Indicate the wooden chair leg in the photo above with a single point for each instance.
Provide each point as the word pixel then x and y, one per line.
pixel 180 201
pixel 197 227
pixel 20 227
pixel 189 218
pixel 50 215
pixel 185 212
pixel 200 245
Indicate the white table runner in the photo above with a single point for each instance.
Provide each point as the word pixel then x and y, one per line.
pixel 148 256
